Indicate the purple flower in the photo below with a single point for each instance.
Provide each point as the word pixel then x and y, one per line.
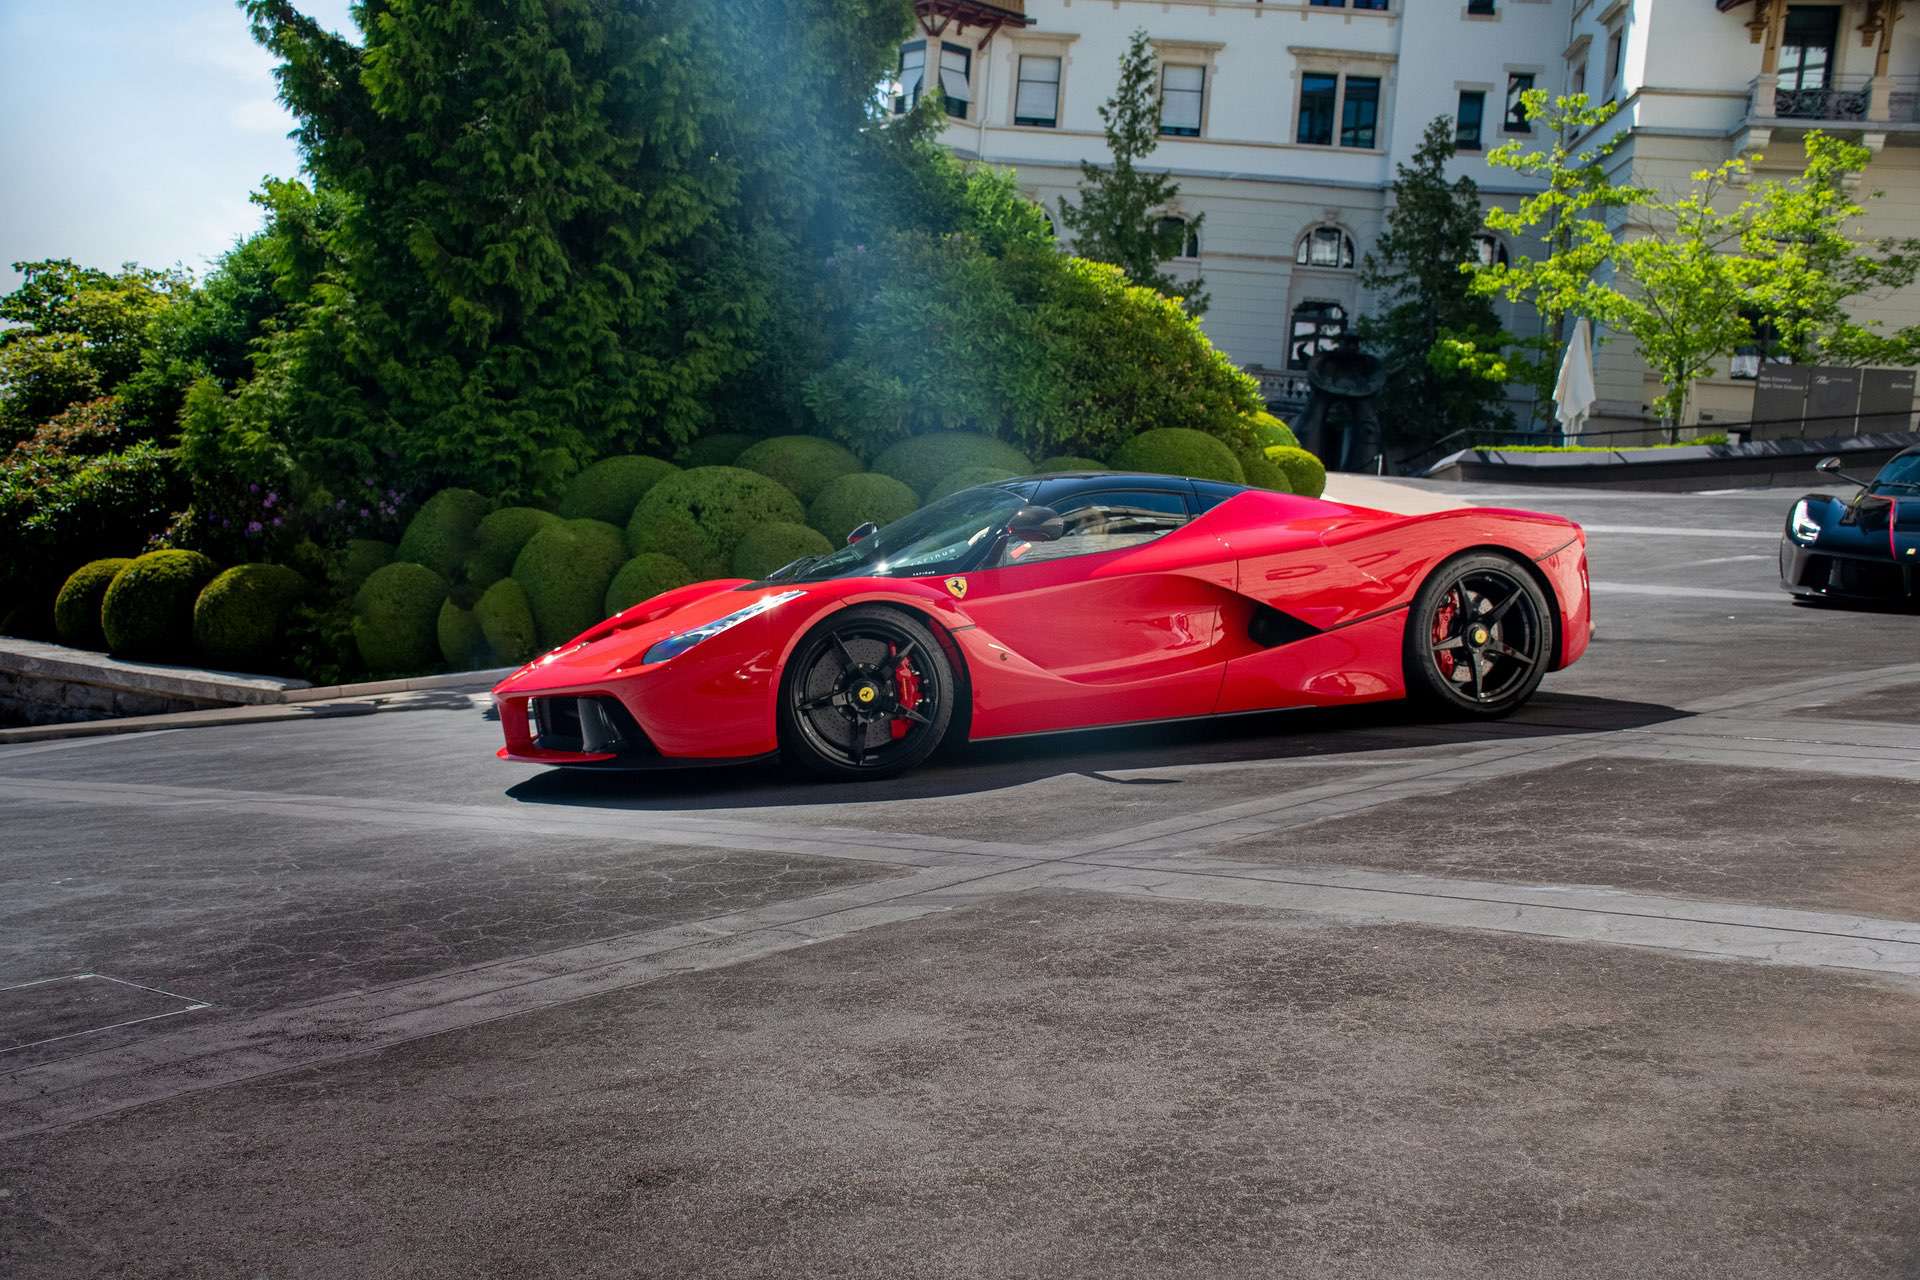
pixel 253 488
pixel 364 513
pixel 253 528
pixel 270 499
pixel 277 522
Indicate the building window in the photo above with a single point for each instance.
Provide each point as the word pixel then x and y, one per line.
pixel 1189 238
pixel 1577 78
pixel 1316 327
pixel 1341 4
pixel 956 75
pixel 1183 93
pixel 1518 84
pixel 913 71
pixel 1036 99
pixel 1467 121
pixel 1325 247
pixel 1807 46
pixel 1488 251
pixel 1370 4
pixel 1360 112
pixel 1613 63
pixel 1480 8
pixel 1317 95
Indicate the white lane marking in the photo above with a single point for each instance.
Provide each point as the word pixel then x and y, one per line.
pixel 1695 564
pixel 1700 593
pixel 1657 531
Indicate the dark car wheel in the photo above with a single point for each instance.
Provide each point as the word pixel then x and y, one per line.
pixel 867 693
pixel 1479 636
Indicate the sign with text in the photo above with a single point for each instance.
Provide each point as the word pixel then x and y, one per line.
pixel 1832 397
pixel 1780 396
pixel 1886 400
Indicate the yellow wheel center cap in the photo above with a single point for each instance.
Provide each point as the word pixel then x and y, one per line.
pixel 867 693
pixel 1481 635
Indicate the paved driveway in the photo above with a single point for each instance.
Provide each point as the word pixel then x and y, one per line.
pixel 1628 985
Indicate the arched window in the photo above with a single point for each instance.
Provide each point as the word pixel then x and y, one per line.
pixel 1325 247
pixel 1488 250
pixel 1189 238
pixel 1316 327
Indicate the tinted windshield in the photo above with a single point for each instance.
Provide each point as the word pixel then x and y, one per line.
pixel 1902 475
pixel 949 536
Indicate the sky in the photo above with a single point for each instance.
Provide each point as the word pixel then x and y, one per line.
pixel 133 130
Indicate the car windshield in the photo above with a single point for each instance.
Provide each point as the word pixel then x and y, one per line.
pixel 1902 475
pixel 947 536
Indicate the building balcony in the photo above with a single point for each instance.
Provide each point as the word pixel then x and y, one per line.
pixel 1876 110
pixel 1847 101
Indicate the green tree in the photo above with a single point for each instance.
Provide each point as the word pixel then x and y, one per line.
pixel 1414 267
pixel 1120 215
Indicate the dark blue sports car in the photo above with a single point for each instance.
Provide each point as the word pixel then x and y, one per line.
pixel 1866 547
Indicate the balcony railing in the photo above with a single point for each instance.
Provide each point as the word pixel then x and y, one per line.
pixel 1903 99
pixel 1849 99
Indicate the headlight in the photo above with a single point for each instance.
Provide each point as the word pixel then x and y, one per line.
pixel 675 645
pixel 1804 526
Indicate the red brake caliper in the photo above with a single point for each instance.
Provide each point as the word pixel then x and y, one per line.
pixel 1442 625
pixel 906 681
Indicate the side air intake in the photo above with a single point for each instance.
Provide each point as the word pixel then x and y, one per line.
pixel 1270 628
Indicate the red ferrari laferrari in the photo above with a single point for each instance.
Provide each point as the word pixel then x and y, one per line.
pixel 1058 602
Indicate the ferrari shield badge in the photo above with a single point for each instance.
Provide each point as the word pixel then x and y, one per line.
pixel 957 588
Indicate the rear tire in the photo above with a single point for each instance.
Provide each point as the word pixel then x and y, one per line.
pixel 868 693
pixel 1480 636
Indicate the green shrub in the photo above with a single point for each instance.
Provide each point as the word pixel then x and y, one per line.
pixel 497 541
pixel 548 475
pixel 1179 451
pixel 851 501
pixel 1305 473
pixel 506 621
pixel 441 533
pixel 770 546
pixel 566 569
pixel 462 643
pixel 924 461
pixel 396 618
pixel 1264 473
pixel 1067 462
pixel 76 610
pixel 643 578
pixel 803 464
pixel 722 503
pixel 967 477
pixel 147 611
pixel 611 488
pixel 1268 431
pixel 357 561
pixel 241 617
pixel 675 535
pixel 717 450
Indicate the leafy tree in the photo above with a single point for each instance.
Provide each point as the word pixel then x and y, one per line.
pixel 1119 216
pixel 1415 268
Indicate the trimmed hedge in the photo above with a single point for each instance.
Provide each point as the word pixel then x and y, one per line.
pixel 1269 431
pixel 361 557
pixel 717 450
pixel 441 533
pixel 851 501
pixel 611 488
pixel 396 618
pixel 76 610
pixel 566 569
pixel 643 578
pixel 1264 473
pixel 147 611
pixel 967 477
pixel 497 540
pixel 240 617
pixel 771 546
pixel 722 503
pixel 1067 462
pixel 1306 473
pixel 462 643
pixel 1179 451
pixel 506 621
pixel 922 462
pixel 803 464
pixel 676 535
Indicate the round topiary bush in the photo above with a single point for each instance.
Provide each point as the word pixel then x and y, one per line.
pixel 611 488
pixel 803 464
pixel 1263 473
pixel 147 611
pixel 506 621
pixel 462 643
pixel 441 533
pixel 548 475
pixel 675 535
pixel 717 450
pixel 967 477
pixel 1178 451
pixel 566 569
pixel 1269 431
pixel 358 559
pixel 851 501
pixel 643 578
pixel 1067 462
pixel 1305 473
pixel 241 616
pixel 396 618
pixel 922 462
pixel 770 546
pixel 722 503
pixel 76 610
pixel 497 541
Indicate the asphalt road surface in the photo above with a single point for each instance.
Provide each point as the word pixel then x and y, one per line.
pixel 1626 986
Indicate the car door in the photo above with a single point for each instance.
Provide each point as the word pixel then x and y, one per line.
pixel 1116 621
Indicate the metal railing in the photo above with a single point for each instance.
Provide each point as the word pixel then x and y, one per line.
pixel 1847 99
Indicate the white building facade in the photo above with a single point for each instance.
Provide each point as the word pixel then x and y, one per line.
pixel 1283 122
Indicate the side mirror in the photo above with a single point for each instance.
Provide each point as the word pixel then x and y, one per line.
pixel 1036 524
pixel 866 530
pixel 1830 465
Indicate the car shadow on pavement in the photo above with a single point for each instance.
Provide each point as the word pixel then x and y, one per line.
pixel 1302 735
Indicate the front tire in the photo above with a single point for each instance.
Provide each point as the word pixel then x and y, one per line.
pixel 1480 636
pixel 868 693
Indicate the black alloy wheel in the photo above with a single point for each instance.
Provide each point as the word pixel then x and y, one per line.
pixel 1479 636
pixel 867 693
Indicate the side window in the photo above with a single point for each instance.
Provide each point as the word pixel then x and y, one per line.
pixel 1108 521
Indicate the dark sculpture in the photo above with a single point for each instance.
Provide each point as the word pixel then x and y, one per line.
pixel 1340 425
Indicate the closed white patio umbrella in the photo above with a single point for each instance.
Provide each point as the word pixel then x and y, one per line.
pixel 1573 393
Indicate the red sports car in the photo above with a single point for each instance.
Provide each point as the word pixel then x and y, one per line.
pixel 1059 602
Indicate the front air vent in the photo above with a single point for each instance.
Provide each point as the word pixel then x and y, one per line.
pixel 596 725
